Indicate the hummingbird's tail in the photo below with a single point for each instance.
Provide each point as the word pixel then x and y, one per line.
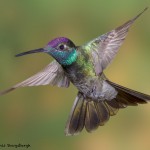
pixel 85 113
pixel 91 114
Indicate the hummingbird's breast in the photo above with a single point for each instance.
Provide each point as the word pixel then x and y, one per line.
pixel 82 74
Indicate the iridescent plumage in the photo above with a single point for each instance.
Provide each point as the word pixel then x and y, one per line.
pixel 97 98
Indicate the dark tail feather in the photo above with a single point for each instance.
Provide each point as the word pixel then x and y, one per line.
pixel 128 97
pixel 96 115
pixel 75 122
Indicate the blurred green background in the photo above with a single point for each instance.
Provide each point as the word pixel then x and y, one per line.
pixel 37 115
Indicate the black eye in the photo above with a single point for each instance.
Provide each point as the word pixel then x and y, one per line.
pixel 61 47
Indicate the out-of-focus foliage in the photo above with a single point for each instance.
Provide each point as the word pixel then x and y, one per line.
pixel 37 115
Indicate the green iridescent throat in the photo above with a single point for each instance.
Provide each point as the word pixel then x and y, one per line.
pixel 64 57
pixel 71 58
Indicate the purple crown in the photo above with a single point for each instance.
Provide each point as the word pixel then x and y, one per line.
pixel 54 43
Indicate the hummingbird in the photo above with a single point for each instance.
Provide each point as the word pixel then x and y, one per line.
pixel 98 98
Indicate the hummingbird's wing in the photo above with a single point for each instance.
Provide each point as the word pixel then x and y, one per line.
pixel 53 74
pixel 105 47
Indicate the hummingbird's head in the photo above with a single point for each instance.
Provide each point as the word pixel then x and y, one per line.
pixel 62 49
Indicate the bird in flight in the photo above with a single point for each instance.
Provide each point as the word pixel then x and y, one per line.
pixel 98 98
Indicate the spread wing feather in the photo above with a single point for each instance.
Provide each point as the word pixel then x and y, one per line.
pixel 53 74
pixel 105 47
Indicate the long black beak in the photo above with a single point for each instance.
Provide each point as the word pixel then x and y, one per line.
pixel 31 51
